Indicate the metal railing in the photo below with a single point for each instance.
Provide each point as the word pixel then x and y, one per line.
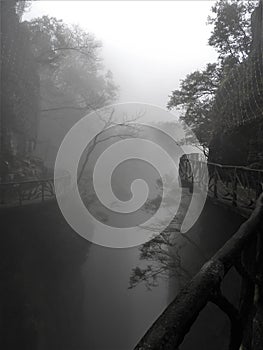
pixel 244 252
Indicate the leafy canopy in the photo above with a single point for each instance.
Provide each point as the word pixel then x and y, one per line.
pixel 231 37
pixel 70 66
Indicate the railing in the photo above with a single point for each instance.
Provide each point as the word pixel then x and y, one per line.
pixel 233 185
pixel 237 186
pixel 25 192
pixel 244 252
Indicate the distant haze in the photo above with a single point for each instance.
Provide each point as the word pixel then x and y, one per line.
pixel 148 45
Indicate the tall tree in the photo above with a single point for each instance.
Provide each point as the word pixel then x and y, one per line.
pixel 231 37
pixel 73 80
pixel 71 70
pixel 20 88
pixel 195 98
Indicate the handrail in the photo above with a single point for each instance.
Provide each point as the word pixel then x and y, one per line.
pixel 31 181
pixel 225 182
pixel 14 183
pixel 27 191
pixel 169 330
pixel 237 186
pixel 230 166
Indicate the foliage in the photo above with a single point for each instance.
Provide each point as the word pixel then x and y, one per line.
pixel 198 103
pixel 52 39
pixel 231 37
pixel 46 66
pixel 72 75
pixel 163 255
pixel 20 81
pixel 22 6
pixel 195 98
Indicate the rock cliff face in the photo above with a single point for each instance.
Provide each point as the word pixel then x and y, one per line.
pixel 238 126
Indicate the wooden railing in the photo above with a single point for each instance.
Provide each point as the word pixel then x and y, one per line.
pixel 236 186
pixel 25 192
pixel 244 252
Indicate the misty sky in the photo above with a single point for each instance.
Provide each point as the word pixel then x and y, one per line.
pixel 148 45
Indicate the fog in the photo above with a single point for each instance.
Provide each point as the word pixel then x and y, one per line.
pixel 80 287
pixel 148 45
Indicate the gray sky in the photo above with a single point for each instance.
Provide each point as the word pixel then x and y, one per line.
pixel 148 45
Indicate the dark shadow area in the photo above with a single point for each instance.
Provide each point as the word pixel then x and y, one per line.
pixel 214 227
pixel 41 285
pixel 47 294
